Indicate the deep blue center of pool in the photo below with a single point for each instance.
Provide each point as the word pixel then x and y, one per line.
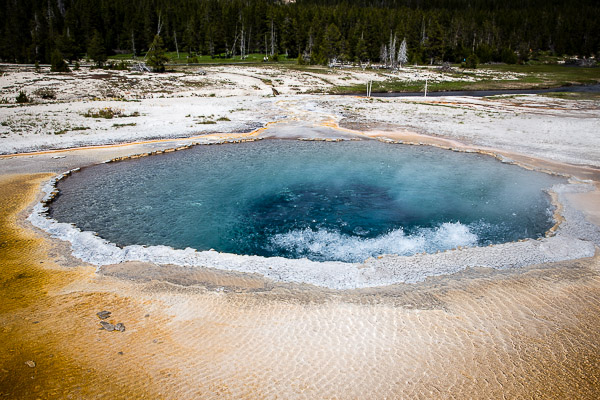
pixel 343 201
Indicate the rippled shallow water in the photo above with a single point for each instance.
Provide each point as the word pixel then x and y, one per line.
pixel 342 201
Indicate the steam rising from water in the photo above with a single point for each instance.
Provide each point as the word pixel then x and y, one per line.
pixel 322 244
pixel 324 201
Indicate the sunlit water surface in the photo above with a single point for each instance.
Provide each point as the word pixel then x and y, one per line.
pixel 343 201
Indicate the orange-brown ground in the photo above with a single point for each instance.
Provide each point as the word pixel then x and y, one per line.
pixel 531 333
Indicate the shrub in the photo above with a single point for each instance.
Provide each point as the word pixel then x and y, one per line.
pixel 121 66
pixel 508 56
pixel 45 93
pixel 22 98
pixel 107 113
pixel 471 62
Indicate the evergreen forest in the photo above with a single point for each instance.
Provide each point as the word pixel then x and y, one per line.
pixel 312 31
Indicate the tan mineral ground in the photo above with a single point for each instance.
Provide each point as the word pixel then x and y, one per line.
pixel 531 332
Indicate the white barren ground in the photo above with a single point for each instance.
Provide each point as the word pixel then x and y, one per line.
pixel 532 332
pixel 238 99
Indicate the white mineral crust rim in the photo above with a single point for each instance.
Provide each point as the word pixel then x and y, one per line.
pixel 575 238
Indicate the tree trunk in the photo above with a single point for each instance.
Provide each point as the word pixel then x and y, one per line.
pixel 176 46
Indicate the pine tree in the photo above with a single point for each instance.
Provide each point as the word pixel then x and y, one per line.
pixel 58 63
pixel 361 50
pixel 331 43
pixel 96 50
pixel 440 31
pixel 68 47
pixel 471 62
pixel 402 53
pixel 156 55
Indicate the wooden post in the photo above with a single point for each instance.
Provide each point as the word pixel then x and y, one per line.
pixel 425 87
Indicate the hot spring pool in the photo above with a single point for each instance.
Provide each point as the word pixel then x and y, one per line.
pixel 343 201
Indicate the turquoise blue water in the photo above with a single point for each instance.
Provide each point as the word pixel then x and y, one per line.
pixel 342 201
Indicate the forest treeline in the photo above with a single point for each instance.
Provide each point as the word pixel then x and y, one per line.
pixel 314 31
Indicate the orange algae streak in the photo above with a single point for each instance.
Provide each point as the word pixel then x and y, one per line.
pixel 528 334
pixel 37 327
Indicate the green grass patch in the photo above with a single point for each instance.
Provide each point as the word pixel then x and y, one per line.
pixel 574 95
pixel 185 58
pixel 122 125
pixel 436 104
pixel 109 113
pixel 540 76
pixel 317 69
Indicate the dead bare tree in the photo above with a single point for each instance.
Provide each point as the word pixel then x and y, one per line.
pixel 402 53
pixel 232 52
pixel 133 43
pixel 383 54
pixel 50 16
pixel 159 24
pixel 158 29
pixel 242 43
pixel 249 34
pixel 61 7
pixel 272 39
pixel 392 51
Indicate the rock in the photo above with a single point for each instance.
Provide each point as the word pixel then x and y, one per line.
pixel 107 326
pixel 103 314
pixel 120 327
pixel 140 67
pixel 446 67
pixel 30 363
